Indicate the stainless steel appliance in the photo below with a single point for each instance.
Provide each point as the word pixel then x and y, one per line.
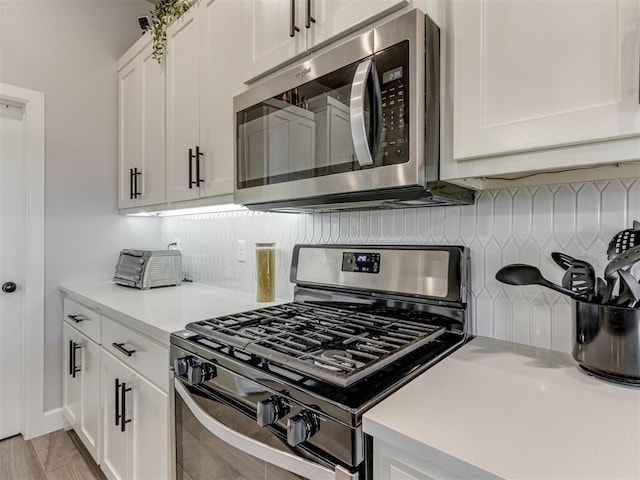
pixel 355 127
pixel 145 269
pixel 607 341
pixel 282 389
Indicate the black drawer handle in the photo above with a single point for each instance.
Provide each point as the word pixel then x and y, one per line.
pixel 123 404
pixel 75 368
pixel 117 402
pixel 77 318
pixel 120 348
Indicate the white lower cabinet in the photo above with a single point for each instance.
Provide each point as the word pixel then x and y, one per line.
pixel 115 394
pixel 135 424
pixel 81 387
pixel 393 462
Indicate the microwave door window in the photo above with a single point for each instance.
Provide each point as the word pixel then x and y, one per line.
pixel 301 133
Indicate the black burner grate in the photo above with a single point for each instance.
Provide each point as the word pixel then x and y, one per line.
pixel 338 345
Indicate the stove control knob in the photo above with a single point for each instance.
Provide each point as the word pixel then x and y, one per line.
pixel 271 410
pixel 181 366
pixel 197 374
pixel 302 427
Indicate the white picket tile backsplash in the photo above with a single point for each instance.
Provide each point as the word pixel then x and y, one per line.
pixel 504 226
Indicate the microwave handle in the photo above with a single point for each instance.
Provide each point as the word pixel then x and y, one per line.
pixel 365 153
pixel 292 463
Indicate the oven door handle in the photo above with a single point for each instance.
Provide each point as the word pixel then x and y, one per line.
pixel 287 461
pixel 364 152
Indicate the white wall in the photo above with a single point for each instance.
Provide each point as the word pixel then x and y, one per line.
pixel 68 50
pixel 504 226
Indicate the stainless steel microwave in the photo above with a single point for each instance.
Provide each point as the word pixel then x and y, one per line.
pixel 356 127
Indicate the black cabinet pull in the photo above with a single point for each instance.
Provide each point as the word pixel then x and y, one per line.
pixel 198 155
pixel 74 368
pixel 120 348
pixel 136 193
pixel 70 357
pixel 292 26
pixel 309 19
pixel 191 156
pixel 117 402
pixel 76 318
pixel 131 183
pixel 123 403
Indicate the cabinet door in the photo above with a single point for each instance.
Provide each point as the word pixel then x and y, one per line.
pixel 130 134
pixel 149 413
pixel 531 75
pixel 336 17
pixel 70 382
pixel 267 30
pixel 151 184
pixel 116 443
pixel 302 142
pixel 88 428
pixel 221 80
pixel 183 105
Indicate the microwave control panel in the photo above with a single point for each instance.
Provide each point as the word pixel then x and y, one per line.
pixel 392 66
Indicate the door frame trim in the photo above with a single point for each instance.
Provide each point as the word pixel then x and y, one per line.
pixel 35 421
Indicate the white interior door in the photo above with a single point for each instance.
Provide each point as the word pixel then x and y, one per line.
pixel 12 265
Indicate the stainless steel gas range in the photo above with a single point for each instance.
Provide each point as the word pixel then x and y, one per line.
pixel 279 392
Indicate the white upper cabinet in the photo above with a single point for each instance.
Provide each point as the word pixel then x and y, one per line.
pixel 141 166
pixel 534 79
pixel 203 75
pixel 278 31
pixel 221 80
pixel 273 34
pixel 334 17
pixel 183 106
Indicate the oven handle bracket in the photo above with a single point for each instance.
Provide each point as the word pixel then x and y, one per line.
pixel 287 461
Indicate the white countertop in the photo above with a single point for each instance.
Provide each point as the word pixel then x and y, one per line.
pixel 518 412
pixel 159 311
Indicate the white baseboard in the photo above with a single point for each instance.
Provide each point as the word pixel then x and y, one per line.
pixel 50 421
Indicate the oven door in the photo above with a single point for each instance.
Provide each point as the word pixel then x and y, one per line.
pixel 216 441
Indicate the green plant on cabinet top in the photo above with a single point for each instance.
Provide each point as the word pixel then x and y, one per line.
pixel 165 13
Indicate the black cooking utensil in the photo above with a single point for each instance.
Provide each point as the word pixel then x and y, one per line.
pixel 562 259
pixel 625 260
pixel 581 279
pixel 521 274
pixel 630 295
pixel 601 288
pixel 623 241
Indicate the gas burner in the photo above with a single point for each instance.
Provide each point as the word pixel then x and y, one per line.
pixel 334 360
pixel 335 355
pixel 253 332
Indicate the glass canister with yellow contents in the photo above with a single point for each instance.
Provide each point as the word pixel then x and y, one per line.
pixel 265 272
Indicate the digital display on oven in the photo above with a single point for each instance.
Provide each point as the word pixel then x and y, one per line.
pixel 361 262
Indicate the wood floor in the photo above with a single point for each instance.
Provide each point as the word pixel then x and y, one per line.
pixel 56 456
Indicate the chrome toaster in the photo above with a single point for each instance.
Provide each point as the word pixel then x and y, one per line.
pixel 146 269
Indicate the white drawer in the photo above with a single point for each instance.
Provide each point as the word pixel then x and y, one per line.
pixel 82 318
pixel 139 352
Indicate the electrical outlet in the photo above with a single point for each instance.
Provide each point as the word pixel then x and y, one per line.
pixel 174 244
pixel 241 251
